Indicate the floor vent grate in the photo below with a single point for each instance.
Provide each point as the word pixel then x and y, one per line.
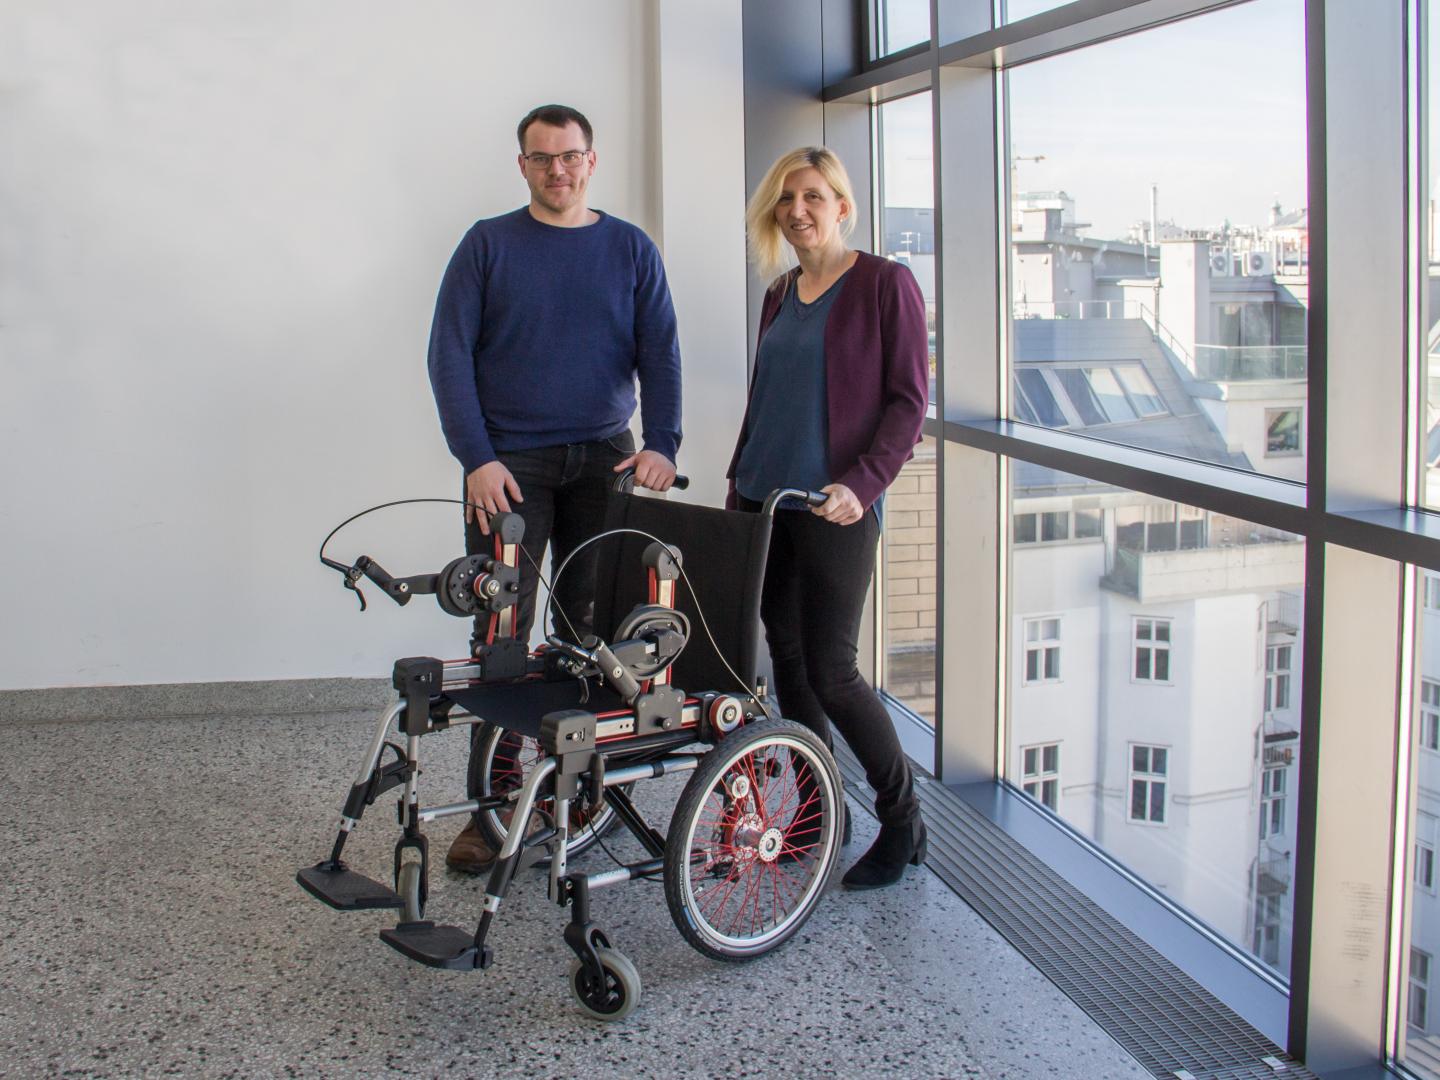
pixel 1172 1025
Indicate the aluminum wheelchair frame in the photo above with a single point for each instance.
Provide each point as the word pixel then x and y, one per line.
pixel 755 835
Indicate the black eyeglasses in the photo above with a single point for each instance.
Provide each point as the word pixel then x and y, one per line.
pixel 571 159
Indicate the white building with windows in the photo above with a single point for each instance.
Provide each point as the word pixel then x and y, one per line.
pixel 1422 1014
pixel 1155 697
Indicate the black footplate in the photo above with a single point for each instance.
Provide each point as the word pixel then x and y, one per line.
pixel 346 890
pixel 449 947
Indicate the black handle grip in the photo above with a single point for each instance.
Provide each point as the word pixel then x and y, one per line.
pixel 625 481
pixel 779 495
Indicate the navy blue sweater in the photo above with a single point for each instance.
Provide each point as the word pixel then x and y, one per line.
pixel 539 335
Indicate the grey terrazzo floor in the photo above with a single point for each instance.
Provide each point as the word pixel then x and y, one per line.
pixel 152 927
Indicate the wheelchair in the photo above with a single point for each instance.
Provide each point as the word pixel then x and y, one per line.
pixel 564 733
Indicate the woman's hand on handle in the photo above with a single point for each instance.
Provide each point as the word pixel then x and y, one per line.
pixel 841 508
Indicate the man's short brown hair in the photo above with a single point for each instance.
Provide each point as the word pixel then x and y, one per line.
pixel 556 116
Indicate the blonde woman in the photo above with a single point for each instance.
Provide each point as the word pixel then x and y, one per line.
pixel 836 403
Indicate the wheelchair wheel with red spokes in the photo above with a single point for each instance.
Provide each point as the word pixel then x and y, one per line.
pixel 502 759
pixel 754 840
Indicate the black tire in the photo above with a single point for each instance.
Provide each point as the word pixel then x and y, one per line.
pixel 758 788
pixel 500 762
pixel 619 995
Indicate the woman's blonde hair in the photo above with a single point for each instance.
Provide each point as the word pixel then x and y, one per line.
pixel 766 241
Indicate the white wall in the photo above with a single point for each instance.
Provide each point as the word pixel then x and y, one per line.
pixel 221 230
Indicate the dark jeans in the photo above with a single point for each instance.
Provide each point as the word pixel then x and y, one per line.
pixel 565 489
pixel 815 585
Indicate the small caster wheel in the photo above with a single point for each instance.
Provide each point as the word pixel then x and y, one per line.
pixel 619 995
pixel 408 884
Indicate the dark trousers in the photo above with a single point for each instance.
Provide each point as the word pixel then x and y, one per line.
pixel 565 490
pixel 815 585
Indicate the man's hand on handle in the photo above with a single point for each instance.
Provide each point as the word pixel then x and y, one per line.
pixel 841 508
pixel 488 487
pixel 652 470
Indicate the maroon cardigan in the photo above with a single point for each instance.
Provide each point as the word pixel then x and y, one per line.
pixel 877 374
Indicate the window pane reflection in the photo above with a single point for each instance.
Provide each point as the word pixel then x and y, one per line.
pixel 1421 1025
pixel 1156 662
pixel 907 197
pixel 1430 294
pixel 900 24
pixel 908 624
pixel 1159 253
pixel 1007 11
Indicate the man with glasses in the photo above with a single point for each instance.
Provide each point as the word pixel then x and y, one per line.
pixel 546 318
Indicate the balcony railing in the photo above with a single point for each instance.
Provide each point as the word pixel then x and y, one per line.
pixel 1077 309
pixel 1285 612
pixel 1249 363
pixel 1272 877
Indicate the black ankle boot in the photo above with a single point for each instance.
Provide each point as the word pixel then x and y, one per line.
pixel 897 847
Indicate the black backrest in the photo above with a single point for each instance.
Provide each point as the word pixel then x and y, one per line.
pixel 723 553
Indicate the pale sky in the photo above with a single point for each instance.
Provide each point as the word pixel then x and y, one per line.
pixel 1212 109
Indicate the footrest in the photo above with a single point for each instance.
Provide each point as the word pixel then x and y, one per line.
pixel 346 890
pixel 450 947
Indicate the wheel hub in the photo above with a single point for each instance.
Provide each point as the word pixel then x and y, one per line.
pixel 749 835
pixel 770 843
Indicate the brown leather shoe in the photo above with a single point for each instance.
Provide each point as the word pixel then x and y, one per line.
pixel 470 852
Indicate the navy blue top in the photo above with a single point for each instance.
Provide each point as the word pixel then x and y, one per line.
pixel 787 436
pixel 540 333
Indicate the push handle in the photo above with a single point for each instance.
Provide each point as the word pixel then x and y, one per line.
pixel 779 495
pixel 625 481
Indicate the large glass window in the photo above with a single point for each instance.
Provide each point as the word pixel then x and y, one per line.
pixel 1163 652
pixel 1159 257
pixel 1430 290
pixel 906 213
pixel 908 626
pixel 907 197
pixel 899 24
pixel 1011 10
pixel 1421 1045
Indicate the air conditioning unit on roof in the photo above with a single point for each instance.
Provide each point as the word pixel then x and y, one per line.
pixel 1220 265
pixel 1259 264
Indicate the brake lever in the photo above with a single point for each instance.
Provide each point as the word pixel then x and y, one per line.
pixel 350 579
pixel 351 574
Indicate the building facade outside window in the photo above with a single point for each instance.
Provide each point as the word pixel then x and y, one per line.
pixel 1282 433
pixel 1149 776
pixel 1429 714
pixel 1272 802
pixel 1277 677
pixel 1042 650
pixel 1266 943
pixel 1152 650
pixel 1040 774
pixel 1418 1005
